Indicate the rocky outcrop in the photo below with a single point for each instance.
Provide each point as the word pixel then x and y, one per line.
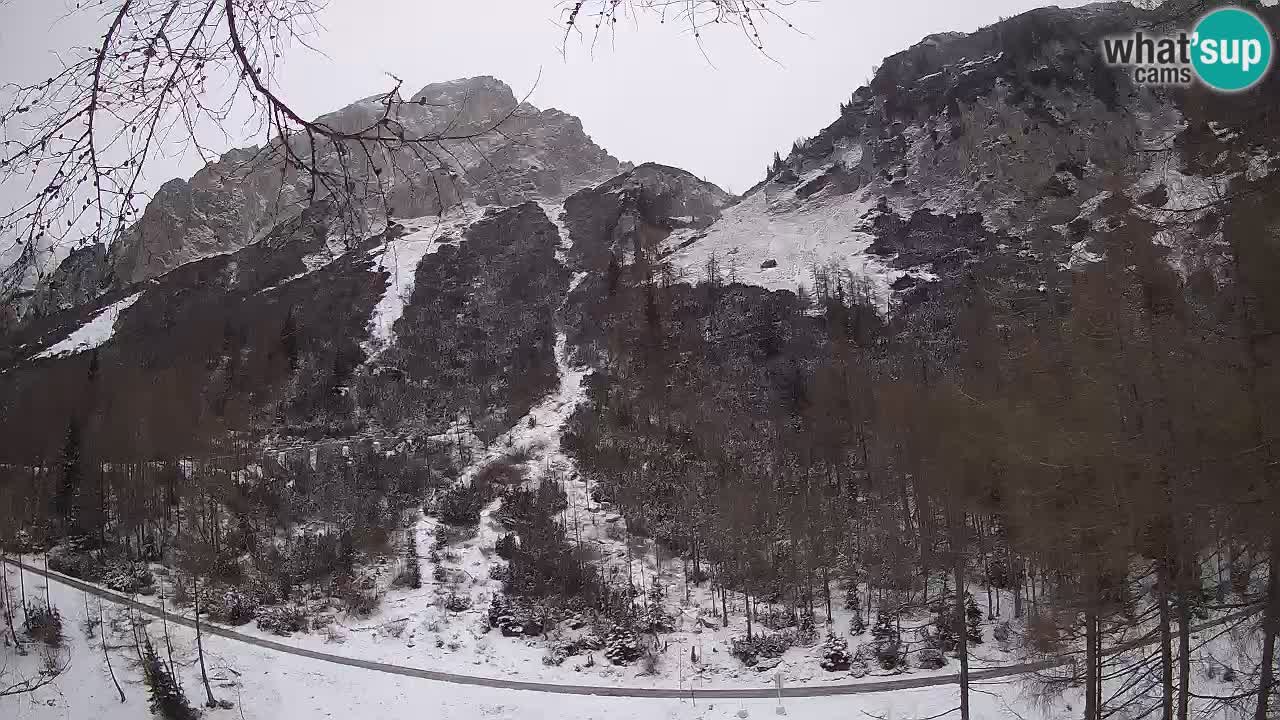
pixel 539 154
pixel 631 214
pixel 1018 135
pixel 80 278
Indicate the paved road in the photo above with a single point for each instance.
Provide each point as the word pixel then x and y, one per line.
pixel 640 692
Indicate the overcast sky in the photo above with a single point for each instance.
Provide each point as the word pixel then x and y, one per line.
pixel 648 95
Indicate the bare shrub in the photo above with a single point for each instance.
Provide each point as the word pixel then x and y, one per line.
pixel 649 661
pixel 44 625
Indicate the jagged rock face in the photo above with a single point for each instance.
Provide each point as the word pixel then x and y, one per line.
pixel 80 278
pixel 997 122
pixel 541 154
pixel 1020 123
pixel 631 214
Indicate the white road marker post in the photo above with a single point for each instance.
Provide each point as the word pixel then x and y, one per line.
pixel 777 681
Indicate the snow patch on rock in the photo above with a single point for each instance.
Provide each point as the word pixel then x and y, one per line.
pixel 93 334
pixel 798 237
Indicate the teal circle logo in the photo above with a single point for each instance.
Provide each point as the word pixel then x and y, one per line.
pixel 1232 49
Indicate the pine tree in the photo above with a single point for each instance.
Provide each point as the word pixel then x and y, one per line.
pixel 835 654
pixel 656 618
pixel 851 603
pixel 944 633
pixel 621 646
pixel 973 619
pixel 887 642
pixel 69 464
pixel 857 625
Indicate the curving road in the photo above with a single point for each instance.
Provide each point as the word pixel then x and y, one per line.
pixel 638 692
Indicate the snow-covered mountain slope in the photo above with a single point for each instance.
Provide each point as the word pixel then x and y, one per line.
pixel 1014 146
pixel 434 319
pixel 1021 123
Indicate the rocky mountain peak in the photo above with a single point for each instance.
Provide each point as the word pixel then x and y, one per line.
pixel 538 155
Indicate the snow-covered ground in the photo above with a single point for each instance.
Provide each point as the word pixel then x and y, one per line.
pixel 93 334
pixel 263 683
pixel 794 237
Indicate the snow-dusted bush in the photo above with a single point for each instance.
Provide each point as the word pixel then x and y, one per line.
pixel 22 543
pixel 856 625
pixel 359 596
pixel 462 503
pixel 75 564
pixel 233 606
pixel 621 647
pixel 806 632
pixel 128 577
pixel 760 646
pixel 513 617
pixel 283 621
pixel 835 654
pixel 44 624
pixel 650 659
pixel 930 659
pixel 457 603
pixel 973 619
pixel 656 618
pixel 555 655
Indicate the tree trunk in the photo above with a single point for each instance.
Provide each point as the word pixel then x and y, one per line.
pixel 22 592
pixel 955 530
pixel 204 674
pixel 168 643
pixel 826 588
pixel 1017 589
pixel 684 562
pixel 8 602
pixel 102 628
pixel 1091 664
pixel 696 559
pixel 1097 666
pixel 1270 626
pixel 962 634
pixel 48 600
pixel 1184 657
pixel 1166 647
